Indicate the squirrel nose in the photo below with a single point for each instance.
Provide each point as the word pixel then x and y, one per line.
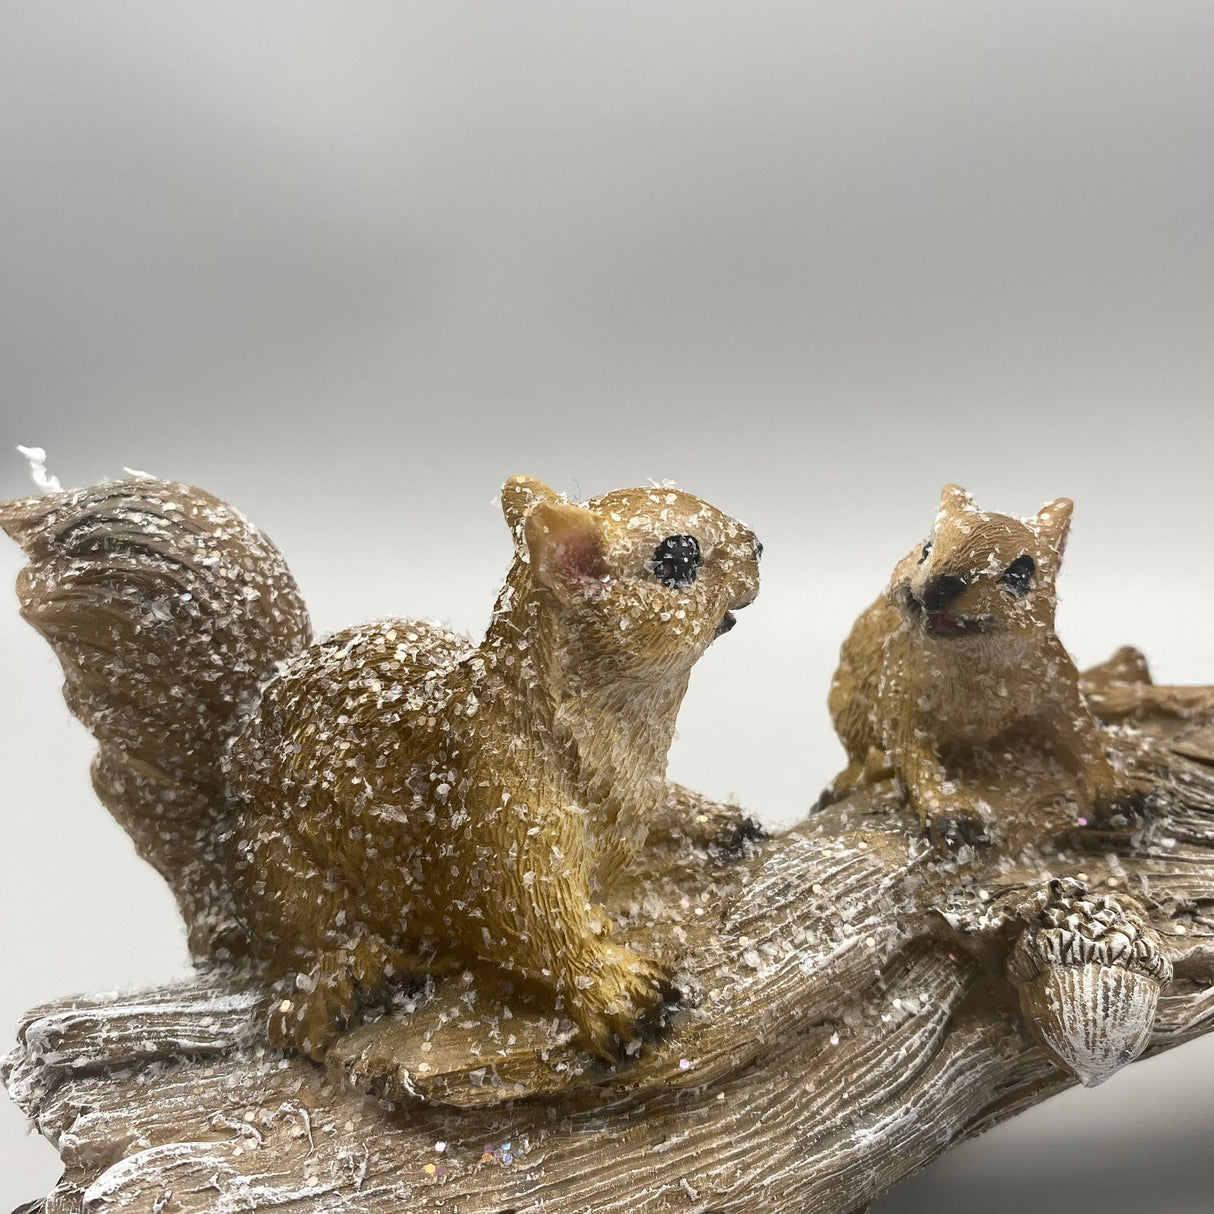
pixel 941 591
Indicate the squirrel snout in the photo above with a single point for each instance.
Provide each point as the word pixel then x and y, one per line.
pixel 940 591
pixel 744 600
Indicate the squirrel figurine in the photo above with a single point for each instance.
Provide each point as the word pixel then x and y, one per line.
pixel 958 662
pixel 393 800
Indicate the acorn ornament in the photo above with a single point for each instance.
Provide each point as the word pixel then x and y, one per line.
pixel 1089 970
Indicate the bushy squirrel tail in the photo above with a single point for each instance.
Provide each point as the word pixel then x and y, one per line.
pixel 169 612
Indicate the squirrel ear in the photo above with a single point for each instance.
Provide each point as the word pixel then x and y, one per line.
pixel 519 494
pixel 565 548
pixel 953 497
pixel 1052 523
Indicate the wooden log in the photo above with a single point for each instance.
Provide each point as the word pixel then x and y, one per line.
pixel 849 1016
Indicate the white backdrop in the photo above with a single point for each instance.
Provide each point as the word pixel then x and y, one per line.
pixel 349 266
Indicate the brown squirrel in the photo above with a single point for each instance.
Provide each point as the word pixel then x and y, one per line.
pixel 392 800
pixel 958 662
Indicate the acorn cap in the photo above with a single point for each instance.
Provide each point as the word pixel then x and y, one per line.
pixel 1089 971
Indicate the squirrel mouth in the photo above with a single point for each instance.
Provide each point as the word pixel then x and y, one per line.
pixel 943 624
pixel 728 620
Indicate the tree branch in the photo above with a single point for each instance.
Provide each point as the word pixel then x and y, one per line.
pixel 852 1014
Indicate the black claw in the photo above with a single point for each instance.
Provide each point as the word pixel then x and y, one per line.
pixel 672 995
pixel 617 1052
pixel 649 1028
pixel 1105 825
pixel 733 843
pixel 826 798
pixel 954 833
pixel 751 829
pixel 1126 813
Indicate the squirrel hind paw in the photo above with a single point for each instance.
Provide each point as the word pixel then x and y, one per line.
pixel 624 1044
pixel 626 1008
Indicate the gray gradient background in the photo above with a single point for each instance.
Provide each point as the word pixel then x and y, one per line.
pixel 349 266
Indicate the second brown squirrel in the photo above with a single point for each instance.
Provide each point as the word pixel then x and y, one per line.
pixel 958 663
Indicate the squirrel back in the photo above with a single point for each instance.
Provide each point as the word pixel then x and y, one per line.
pixel 168 612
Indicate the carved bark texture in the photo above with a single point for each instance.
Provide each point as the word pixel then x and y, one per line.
pixel 853 1017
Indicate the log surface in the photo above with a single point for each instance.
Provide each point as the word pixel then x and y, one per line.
pixel 850 1018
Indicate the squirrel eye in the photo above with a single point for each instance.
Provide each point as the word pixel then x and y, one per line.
pixel 676 561
pixel 927 548
pixel 1018 576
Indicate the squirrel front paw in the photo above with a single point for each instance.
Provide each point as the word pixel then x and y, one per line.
pixel 954 822
pixel 1117 811
pixel 953 831
pixel 732 841
pixel 1110 802
pixel 618 998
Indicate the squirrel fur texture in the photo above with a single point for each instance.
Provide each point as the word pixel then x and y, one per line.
pixel 957 668
pixel 394 800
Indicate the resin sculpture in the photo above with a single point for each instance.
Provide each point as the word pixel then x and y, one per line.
pixel 391 802
pixel 853 998
pixel 955 682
